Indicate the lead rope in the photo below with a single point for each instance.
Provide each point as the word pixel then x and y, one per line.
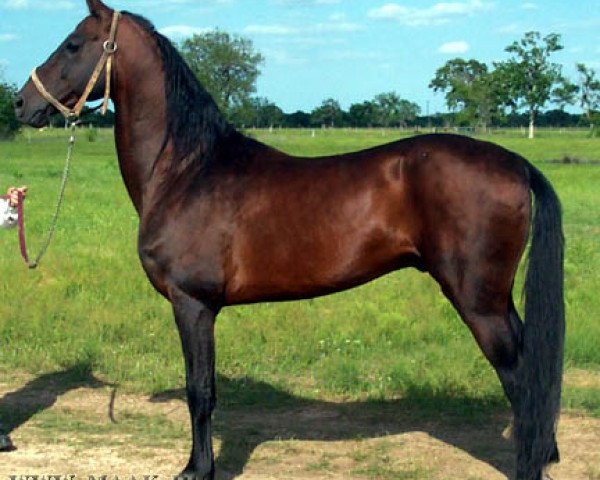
pixel 71 115
pixel 59 201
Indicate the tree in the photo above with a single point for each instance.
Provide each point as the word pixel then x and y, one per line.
pixel 589 90
pixel 407 112
pixel 565 94
pixel 298 119
pixel 385 110
pixel 363 114
pixel 258 112
pixel 471 90
pixel 328 114
pixel 227 66
pixel 9 125
pixel 388 108
pixel 528 77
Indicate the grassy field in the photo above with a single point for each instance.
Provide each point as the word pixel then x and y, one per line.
pixel 89 306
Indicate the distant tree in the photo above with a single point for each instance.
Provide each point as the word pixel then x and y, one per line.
pixel 95 118
pixel 528 77
pixel 385 110
pixel 298 119
pixel 329 113
pixel 565 93
pixel 363 114
pixel 471 90
pixel 262 113
pixel 227 66
pixel 589 90
pixel 388 108
pixel 407 112
pixel 558 118
pixel 242 114
pixel 9 125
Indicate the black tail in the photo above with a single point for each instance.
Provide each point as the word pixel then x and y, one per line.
pixel 543 336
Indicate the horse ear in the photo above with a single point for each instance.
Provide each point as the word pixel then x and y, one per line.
pixel 97 7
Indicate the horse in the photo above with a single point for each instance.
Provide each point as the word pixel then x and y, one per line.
pixel 226 220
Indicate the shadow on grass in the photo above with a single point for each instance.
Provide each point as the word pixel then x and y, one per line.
pixel 41 393
pixel 253 412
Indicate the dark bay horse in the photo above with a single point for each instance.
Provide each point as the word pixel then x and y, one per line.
pixel 226 220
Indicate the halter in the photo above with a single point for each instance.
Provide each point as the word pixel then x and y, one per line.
pixel 109 49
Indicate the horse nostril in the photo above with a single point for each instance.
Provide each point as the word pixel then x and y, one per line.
pixel 19 103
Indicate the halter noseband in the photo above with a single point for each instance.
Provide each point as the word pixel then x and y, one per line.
pixel 109 48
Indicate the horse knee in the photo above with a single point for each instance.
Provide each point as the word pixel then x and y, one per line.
pixel 201 403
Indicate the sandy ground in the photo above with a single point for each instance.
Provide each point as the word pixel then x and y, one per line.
pixel 61 431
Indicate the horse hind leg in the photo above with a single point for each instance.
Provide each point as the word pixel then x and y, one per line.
pixel 483 299
pixel 498 335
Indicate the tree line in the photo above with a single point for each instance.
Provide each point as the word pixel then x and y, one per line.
pixel 514 92
pixel 527 82
pixel 511 93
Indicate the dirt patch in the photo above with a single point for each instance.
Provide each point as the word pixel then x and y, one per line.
pixel 69 431
pixel 582 378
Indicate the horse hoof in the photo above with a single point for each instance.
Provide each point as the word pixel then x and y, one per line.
pixel 191 475
pixel 6 444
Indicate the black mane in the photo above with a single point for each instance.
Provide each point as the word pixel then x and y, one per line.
pixel 194 123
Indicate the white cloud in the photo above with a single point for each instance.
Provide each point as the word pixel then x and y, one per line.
pixel 509 28
pixel 156 3
pixel 437 14
pixel 454 47
pixel 355 55
pixel 530 6
pixel 305 3
pixel 8 37
pixel 182 31
pixel 282 57
pixel 270 30
pixel 15 4
pixel 319 28
pixel 590 22
pixel 336 27
pixel 63 5
pixel 25 4
pixel 312 41
pixel 338 17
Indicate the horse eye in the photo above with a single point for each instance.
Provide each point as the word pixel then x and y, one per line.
pixel 72 47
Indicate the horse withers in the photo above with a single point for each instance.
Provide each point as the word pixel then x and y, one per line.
pixel 226 220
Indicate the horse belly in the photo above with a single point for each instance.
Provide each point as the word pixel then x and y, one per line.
pixel 322 255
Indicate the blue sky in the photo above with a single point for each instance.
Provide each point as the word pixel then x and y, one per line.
pixel 350 50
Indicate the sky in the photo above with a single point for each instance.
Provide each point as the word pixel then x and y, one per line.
pixel 349 50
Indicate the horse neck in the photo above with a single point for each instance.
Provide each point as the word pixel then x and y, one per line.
pixel 140 109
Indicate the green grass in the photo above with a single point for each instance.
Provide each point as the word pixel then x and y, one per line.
pixel 90 303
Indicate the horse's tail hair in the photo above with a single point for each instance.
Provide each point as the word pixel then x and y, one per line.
pixel 540 376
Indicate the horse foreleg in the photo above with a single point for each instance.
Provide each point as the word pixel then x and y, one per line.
pixel 195 322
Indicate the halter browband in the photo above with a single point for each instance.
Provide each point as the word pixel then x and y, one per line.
pixel 109 48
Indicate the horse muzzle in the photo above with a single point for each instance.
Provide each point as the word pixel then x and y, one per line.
pixel 30 108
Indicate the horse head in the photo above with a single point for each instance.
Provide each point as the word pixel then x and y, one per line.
pixel 62 80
